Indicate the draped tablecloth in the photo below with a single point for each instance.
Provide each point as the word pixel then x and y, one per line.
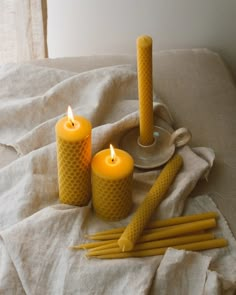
pixel 36 230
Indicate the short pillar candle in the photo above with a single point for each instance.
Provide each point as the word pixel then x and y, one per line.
pixel 145 89
pixel 112 175
pixel 73 136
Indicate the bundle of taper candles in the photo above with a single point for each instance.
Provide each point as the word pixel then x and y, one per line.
pixel 142 238
pixel 184 232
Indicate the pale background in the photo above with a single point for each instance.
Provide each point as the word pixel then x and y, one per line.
pixel 90 27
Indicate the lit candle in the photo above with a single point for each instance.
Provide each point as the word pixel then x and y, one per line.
pixel 144 67
pixel 112 174
pixel 73 135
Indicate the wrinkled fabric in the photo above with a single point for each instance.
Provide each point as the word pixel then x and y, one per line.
pixel 36 230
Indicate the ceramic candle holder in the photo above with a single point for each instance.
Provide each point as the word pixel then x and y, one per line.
pixel 157 153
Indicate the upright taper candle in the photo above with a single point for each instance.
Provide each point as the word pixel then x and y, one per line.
pixel 144 67
pixel 73 136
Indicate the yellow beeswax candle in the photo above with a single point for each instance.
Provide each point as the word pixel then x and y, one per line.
pixel 112 175
pixel 73 135
pixel 113 236
pixel 155 244
pixel 180 229
pixel 192 237
pixel 196 246
pixel 151 201
pixel 144 233
pixel 162 223
pixel 194 228
pixel 144 67
pixel 91 245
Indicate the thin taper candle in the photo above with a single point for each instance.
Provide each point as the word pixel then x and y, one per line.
pixel 196 246
pixel 156 244
pixel 91 245
pixel 162 223
pixel 178 230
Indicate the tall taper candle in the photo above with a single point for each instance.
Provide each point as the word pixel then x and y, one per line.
pixel 73 136
pixel 144 67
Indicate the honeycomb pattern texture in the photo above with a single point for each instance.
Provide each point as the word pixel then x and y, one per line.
pixel 156 194
pixel 144 66
pixel 112 199
pixel 74 176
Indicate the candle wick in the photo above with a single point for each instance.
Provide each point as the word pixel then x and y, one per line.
pixel 73 124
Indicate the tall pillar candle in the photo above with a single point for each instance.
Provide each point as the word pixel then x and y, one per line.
pixel 73 135
pixel 112 175
pixel 144 212
pixel 144 67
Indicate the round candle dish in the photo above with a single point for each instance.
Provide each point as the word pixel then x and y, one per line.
pixel 157 153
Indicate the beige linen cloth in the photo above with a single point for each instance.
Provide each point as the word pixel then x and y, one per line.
pixel 36 230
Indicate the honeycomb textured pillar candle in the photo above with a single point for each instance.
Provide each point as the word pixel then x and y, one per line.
pixel 144 66
pixel 73 137
pixel 143 214
pixel 112 176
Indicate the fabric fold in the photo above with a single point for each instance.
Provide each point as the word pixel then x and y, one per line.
pixel 182 272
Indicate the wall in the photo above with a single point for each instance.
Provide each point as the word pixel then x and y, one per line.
pixel 85 27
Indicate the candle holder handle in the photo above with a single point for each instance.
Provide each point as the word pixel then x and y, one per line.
pixel 180 137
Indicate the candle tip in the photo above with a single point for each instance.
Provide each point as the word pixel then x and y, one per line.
pixel 88 257
pixel 73 248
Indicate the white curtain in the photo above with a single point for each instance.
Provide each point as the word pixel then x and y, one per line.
pixel 23 30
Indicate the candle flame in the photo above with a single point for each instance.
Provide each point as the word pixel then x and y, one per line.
pixel 70 116
pixel 113 154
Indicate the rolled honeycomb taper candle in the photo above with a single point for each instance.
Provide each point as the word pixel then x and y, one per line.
pixel 144 212
pixel 144 67
pixel 73 136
